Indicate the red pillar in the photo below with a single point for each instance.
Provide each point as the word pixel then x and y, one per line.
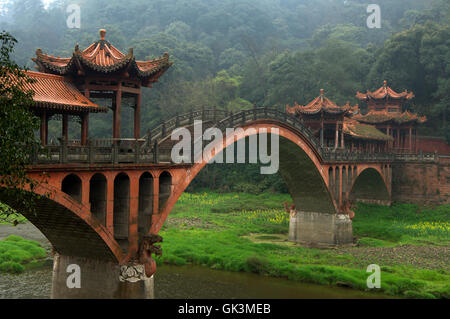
pixel 137 117
pixel 410 140
pixel 133 216
pixel 85 188
pixel 44 128
pixel 110 203
pixel 65 127
pixel 117 111
pixel 156 195
pixel 84 128
pixel 340 185
pixel 342 136
pixel 415 140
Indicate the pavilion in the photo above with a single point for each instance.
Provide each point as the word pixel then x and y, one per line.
pixel 66 85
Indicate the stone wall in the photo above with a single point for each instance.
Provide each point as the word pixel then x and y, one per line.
pixel 320 228
pixel 422 182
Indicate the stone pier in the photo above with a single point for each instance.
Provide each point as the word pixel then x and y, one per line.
pixel 99 280
pixel 320 228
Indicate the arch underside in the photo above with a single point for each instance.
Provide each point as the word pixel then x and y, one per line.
pixel 300 167
pixel 303 180
pixel 370 187
pixel 69 233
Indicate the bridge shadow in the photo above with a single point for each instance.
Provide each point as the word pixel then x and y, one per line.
pixel 70 227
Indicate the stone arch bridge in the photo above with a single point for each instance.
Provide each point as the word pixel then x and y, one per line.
pixel 105 203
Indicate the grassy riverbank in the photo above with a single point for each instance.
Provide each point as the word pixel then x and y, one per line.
pixel 17 253
pixel 243 232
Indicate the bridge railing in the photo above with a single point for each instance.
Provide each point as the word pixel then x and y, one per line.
pixel 151 149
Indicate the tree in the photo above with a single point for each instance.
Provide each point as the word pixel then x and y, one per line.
pixel 17 124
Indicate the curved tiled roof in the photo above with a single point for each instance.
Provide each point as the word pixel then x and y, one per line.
pixel 383 92
pixel 363 131
pixel 102 57
pixel 319 104
pixel 378 117
pixel 54 92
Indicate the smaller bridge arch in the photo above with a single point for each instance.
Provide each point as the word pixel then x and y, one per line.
pixel 371 186
pixel 98 185
pixel 121 210
pixel 72 186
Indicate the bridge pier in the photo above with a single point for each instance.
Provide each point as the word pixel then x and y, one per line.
pixel 320 228
pixel 99 280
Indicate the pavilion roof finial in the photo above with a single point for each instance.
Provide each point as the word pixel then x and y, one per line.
pixel 384 83
pixel 102 34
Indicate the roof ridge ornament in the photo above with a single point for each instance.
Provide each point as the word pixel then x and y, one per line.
pixel 102 34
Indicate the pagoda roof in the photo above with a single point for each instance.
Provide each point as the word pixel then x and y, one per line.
pixel 318 105
pixel 104 58
pixel 383 93
pixel 378 117
pixel 54 92
pixel 363 131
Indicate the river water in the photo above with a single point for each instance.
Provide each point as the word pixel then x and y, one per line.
pixel 189 282
pixel 185 282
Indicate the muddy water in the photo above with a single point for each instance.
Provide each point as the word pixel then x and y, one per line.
pixel 186 282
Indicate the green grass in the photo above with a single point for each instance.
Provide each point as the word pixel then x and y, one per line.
pixel 15 252
pixel 210 229
pixel 403 223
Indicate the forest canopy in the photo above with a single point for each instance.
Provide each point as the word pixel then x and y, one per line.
pixel 233 54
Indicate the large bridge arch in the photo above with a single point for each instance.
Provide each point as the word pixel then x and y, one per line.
pixel 69 226
pixel 370 186
pixel 299 161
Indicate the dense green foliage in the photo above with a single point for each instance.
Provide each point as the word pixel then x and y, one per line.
pixel 15 252
pixel 17 124
pixel 243 232
pixel 236 53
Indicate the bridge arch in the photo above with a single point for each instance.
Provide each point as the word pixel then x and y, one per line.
pixel 69 226
pixel 165 188
pixel 298 161
pixel 145 210
pixel 121 206
pixel 98 185
pixel 370 186
pixel 72 186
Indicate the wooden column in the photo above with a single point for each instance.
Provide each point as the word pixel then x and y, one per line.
pixel 336 139
pixel 410 139
pixel 342 136
pixel 415 140
pixel 65 127
pixel 117 112
pixel 44 128
pixel 137 117
pixel 340 186
pixel 321 130
pixel 84 128
pixel 388 131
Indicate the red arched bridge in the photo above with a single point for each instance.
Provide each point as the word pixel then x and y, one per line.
pixel 108 200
